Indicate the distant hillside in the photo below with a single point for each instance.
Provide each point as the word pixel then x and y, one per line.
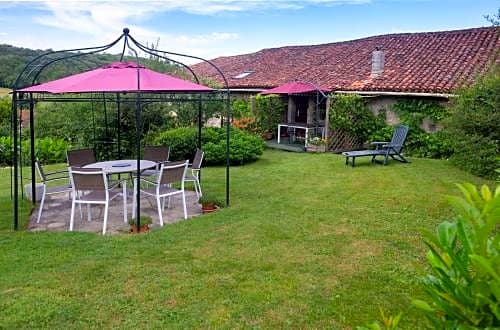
pixel 13 59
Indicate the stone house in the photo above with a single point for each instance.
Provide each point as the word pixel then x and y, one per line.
pixel 384 69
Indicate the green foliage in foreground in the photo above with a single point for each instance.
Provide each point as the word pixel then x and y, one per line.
pixel 464 255
pixel 306 243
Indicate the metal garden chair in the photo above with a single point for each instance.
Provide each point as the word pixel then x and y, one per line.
pixel 80 157
pixel 195 172
pixel 169 175
pixel 157 154
pixel 46 178
pixel 90 186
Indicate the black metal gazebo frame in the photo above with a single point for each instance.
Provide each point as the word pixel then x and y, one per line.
pixel 30 74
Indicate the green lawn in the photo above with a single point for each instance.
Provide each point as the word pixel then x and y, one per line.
pixel 307 242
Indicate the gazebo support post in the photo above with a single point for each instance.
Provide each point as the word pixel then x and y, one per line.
pixel 199 130
pixel 228 133
pixel 14 160
pixel 327 119
pixel 199 122
pixel 138 155
pixel 119 126
pixel 32 146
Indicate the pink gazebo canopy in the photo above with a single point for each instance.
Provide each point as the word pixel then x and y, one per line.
pixel 117 77
pixel 295 87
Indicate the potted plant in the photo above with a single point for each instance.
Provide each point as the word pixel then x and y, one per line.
pixel 316 144
pixel 209 203
pixel 145 222
pixel 267 135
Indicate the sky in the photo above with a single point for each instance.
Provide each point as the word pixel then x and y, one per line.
pixel 213 28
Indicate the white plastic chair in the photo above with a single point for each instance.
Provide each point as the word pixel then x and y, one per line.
pixel 170 173
pixel 90 186
pixel 52 190
pixel 195 172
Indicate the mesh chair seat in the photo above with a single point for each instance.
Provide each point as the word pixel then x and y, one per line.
pixel 99 195
pixel 164 190
pixel 148 173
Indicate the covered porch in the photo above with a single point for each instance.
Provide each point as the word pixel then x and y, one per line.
pixel 305 116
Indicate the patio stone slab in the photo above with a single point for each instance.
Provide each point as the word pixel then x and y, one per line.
pixel 57 211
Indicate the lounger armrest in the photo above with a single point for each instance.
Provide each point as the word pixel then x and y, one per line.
pixel 391 146
pixel 378 144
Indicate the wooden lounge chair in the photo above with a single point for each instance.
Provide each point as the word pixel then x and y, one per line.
pixel 386 149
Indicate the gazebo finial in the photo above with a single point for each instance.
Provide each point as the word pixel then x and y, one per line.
pixel 126 30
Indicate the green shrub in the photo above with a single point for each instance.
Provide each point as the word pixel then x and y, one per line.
pixel 464 257
pixel 5 115
pixel 475 126
pixel 269 110
pixel 241 109
pixel 350 114
pixel 244 147
pixel 5 150
pixel 429 145
pixel 69 121
pixel 47 149
pixel 182 142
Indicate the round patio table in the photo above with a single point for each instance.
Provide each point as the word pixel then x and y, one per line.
pixel 122 166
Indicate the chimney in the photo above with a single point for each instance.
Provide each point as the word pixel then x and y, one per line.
pixel 377 62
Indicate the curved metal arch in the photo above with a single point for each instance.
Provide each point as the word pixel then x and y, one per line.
pixel 16 82
pixel 226 84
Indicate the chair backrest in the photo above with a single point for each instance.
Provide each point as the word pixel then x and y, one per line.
pixel 158 154
pixel 80 157
pixel 173 172
pixel 399 137
pixel 198 159
pixel 40 171
pixel 88 179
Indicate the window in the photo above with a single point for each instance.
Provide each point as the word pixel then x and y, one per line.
pixel 244 74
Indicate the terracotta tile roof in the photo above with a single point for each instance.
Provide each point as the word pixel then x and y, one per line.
pixel 431 62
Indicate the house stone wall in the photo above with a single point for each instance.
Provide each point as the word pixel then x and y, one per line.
pixel 377 103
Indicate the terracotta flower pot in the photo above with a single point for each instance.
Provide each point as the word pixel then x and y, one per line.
pixel 142 229
pixel 208 208
pixel 267 135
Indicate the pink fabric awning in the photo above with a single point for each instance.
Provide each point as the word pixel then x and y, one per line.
pixel 296 87
pixel 117 77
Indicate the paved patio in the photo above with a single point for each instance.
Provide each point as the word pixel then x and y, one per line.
pixel 57 211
